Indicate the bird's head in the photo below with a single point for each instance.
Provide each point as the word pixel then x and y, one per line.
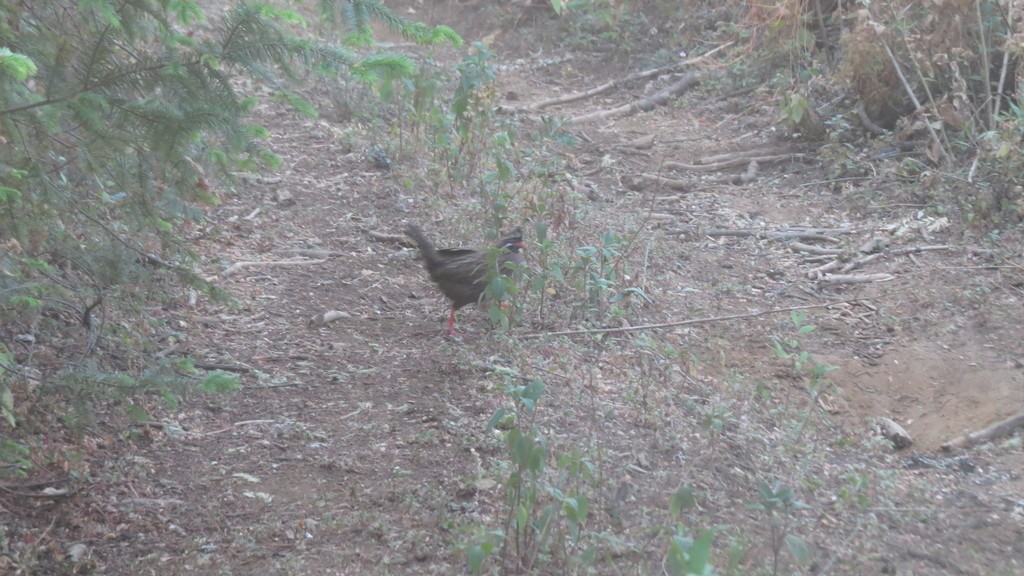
pixel 514 243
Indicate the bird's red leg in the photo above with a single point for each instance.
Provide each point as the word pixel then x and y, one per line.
pixel 451 324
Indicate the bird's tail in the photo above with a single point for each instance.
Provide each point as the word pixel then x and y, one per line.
pixel 426 246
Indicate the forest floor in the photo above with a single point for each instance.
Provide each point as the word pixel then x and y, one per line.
pixel 360 446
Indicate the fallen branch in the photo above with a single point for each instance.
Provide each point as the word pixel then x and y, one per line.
pixel 158 502
pixel 855 278
pixel 687 322
pixel 861 261
pixel 633 151
pixel 671 183
pixel 741 155
pixel 240 265
pixel 993 432
pixel 918 249
pixel 237 368
pixel 816 259
pixel 390 238
pixel 917 106
pixel 812 234
pixel 816 273
pixel 732 163
pixel 653 73
pixel 820 234
pixel 660 98
pixel 801 247
pixel 17 488
pixel 308 252
pixel 355 412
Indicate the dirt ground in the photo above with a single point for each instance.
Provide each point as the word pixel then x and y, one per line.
pixel 361 446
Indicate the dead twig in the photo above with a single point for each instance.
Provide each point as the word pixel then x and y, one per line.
pixel 818 250
pixel 257 264
pixel 607 86
pixel 861 261
pixel 993 432
pixel 308 252
pixel 743 161
pixel 236 425
pixel 745 155
pixel 855 278
pixel 670 183
pixel 158 502
pixel 917 105
pixel 810 234
pixel 238 368
pixel 870 249
pixel 390 238
pixel 660 98
pixel 918 249
pixel 687 322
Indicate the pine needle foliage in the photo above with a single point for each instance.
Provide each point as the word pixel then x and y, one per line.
pixel 115 119
pixel 357 17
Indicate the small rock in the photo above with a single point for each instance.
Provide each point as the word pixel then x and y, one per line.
pixel 894 432
pixel 78 552
pixel 284 197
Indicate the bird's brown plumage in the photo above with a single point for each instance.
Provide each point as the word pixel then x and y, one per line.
pixel 461 273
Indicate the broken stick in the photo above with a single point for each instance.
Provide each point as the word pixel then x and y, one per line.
pixel 660 98
pixel 653 73
pixel 731 163
pixel 993 432
pixel 855 278
pixel 240 265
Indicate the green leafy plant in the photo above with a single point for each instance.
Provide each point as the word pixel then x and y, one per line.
pixel 790 348
pixel 804 365
pixel 501 291
pixel 690 556
pixel 596 272
pixel 546 508
pixel 15 458
pixel 779 503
